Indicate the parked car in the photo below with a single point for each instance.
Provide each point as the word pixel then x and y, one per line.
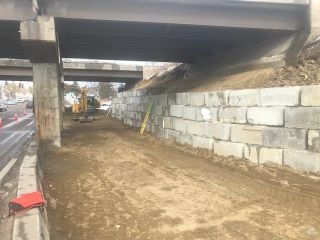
pixel 29 104
pixel 11 102
pixel 3 106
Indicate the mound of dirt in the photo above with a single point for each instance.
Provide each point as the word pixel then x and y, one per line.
pixel 179 79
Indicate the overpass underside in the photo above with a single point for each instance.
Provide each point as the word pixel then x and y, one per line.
pixel 206 33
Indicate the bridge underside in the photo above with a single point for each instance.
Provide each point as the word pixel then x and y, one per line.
pixel 81 75
pixel 158 30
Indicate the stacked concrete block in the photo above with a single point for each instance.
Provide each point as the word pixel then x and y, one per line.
pixel 220 131
pixel 303 117
pixel 269 116
pixel 310 96
pixel 195 128
pixel 215 99
pixel 244 98
pixel 227 149
pixel 287 96
pixel 179 125
pixel 185 139
pixel 196 99
pixel 285 138
pixel 314 140
pixel 172 99
pixel 302 160
pixel 183 99
pixel 202 142
pixel 246 134
pixel 279 125
pixel 261 155
pixel 176 110
pixel 190 113
pixel 233 115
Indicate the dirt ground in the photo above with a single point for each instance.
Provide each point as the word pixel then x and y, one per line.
pixel 181 79
pixel 107 182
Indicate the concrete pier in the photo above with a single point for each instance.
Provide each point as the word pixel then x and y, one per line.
pixel 40 43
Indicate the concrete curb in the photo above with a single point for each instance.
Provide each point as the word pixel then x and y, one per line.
pixel 33 224
pixel 5 171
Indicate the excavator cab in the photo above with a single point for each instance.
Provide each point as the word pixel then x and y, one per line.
pixel 80 110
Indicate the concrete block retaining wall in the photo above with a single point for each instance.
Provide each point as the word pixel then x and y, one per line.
pixel 281 125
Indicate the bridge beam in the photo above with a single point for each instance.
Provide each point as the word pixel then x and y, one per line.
pixel 40 43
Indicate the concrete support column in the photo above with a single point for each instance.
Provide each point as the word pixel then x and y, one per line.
pixel 40 42
pixel 47 100
pixel 314 21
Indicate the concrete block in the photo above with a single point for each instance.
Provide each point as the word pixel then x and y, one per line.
pixel 157 120
pixel 233 115
pixel 302 160
pixel 185 139
pixel 285 138
pixel 270 116
pixel 285 96
pixel 244 98
pixel 208 114
pixel 195 128
pixel 180 125
pixel 246 134
pixel 196 99
pixel 251 153
pixel 172 134
pixel 310 96
pixel 202 142
pixel 163 99
pixel 160 110
pixel 219 131
pixel 190 113
pixel 271 155
pixel 215 99
pixel 183 99
pixel 226 149
pixel 176 110
pixel 167 122
pixel 172 99
pixel 161 133
pixel 257 154
pixel 314 140
pixel 303 117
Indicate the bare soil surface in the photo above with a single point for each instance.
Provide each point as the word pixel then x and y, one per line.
pixel 179 79
pixel 108 182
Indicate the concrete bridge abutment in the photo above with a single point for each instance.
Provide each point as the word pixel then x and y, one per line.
pixel 40 43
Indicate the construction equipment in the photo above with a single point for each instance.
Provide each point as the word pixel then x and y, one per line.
pixel 80 110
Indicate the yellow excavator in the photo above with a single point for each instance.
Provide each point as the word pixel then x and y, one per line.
pixel 80 110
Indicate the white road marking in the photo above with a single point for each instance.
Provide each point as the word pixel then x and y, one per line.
pixel 4 172
pixel 8 138
pixel 19 120
pixel 11 144
pixel 29 124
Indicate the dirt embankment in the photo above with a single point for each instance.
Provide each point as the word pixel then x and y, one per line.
pixel 306 72
pixel 108 182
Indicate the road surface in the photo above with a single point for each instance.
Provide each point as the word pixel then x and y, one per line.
pixel 14 133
